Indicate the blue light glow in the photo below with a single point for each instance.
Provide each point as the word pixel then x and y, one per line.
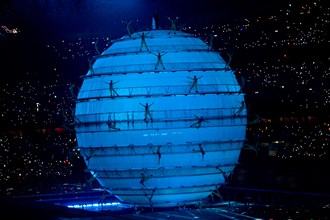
pixel 96 205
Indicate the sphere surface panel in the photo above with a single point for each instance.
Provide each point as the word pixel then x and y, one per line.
pixel 160 122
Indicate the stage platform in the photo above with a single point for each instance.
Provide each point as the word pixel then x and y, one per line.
pixel 98 205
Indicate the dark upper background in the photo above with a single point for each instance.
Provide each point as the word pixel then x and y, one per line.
pixel 42 21
pixel 43 18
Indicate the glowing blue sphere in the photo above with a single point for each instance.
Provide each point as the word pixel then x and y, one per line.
pixel 155 136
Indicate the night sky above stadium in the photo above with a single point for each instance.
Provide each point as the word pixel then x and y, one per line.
pixel 60 17
pixel 39 22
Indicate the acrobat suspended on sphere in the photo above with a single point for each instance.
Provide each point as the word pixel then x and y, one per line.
pixel 161 119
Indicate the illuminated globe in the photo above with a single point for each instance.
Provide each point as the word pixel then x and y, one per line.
pixel 155 137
